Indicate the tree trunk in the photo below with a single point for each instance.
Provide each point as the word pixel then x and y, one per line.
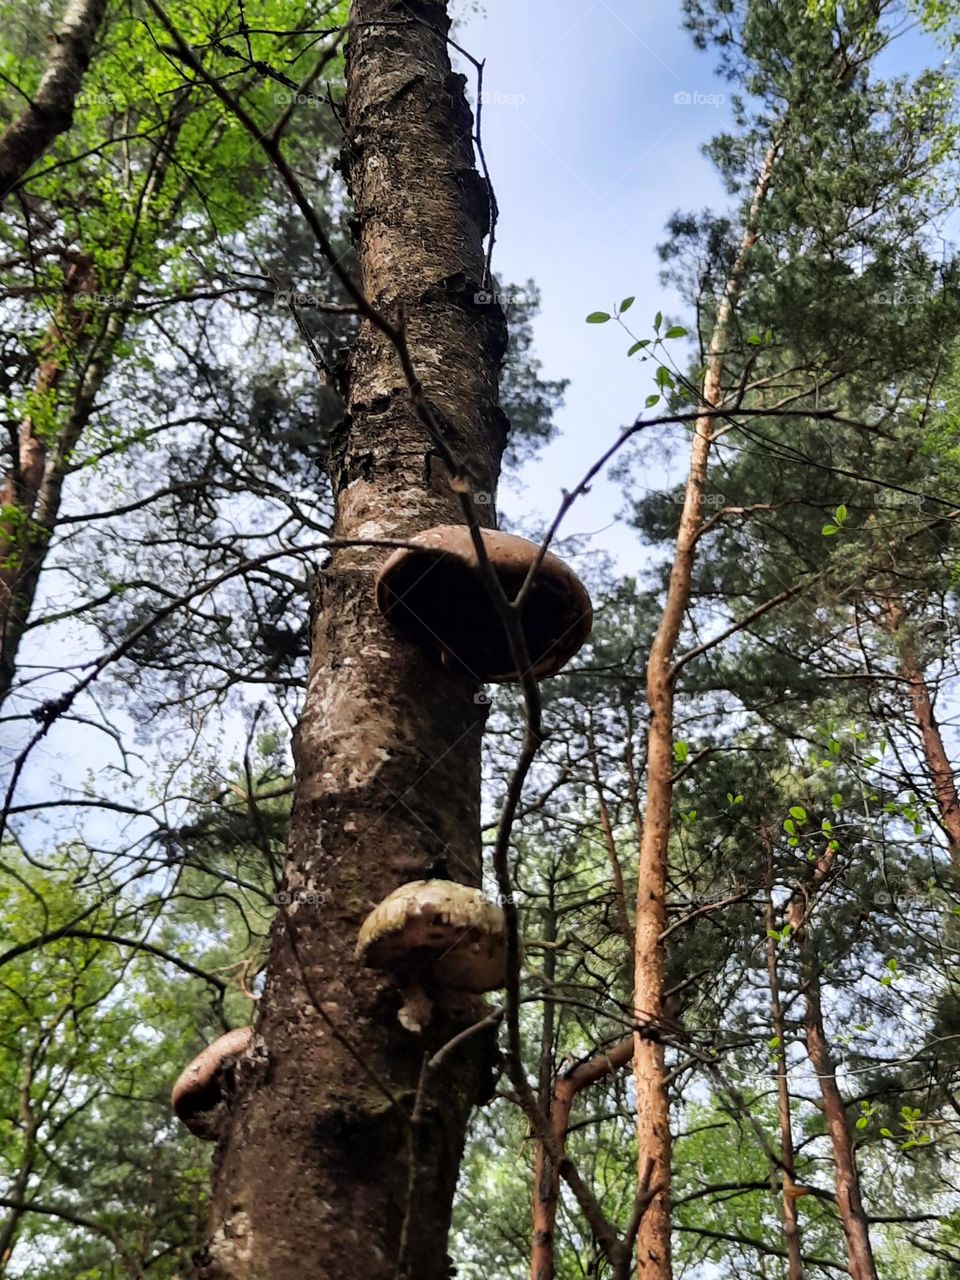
pixel 853 1219
pixel 653 1108
pixel 18 1189
pixel 547 1172
pixel 942 778
pixel 34 484
pixel 791 1222
pixel 22 536
pixel 313 1177
pixel 50 111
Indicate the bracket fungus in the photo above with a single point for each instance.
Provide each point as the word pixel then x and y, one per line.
pixel 435 933
pixel 435 594
pixel 202 1093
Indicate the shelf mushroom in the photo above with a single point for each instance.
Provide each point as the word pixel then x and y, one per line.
pixel 434 592
pixel 202 1092
pixel 435 933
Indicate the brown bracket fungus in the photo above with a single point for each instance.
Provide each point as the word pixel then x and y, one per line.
pixel 435 933
pixel 202 1092
pixel 435 594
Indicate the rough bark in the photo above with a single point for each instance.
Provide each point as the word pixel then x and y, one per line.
pixel 565 1091
pixel 653 1107
pixel 313 1176
pixel 853 1218
pixel 942 777
pixel 50 111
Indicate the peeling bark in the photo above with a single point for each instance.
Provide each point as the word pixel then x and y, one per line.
pixel 50 111
pixel 312 1177
pixel 653 1107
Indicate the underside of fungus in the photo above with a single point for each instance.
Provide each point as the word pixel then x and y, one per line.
pixel 435 593
pixel 432 934
pixel 204 1088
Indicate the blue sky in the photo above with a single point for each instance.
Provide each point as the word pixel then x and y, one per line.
pixel 590 152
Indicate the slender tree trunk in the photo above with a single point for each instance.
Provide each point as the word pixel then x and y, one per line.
pixel 50 111
pixel 22 536
pixel 313 1175
pixel 547 1175
pixel 18 1190
pixel 853 1218
pixel 942 777
pixel 791 1223
pixel 653 1108
pixel 613 856
pixel 34 485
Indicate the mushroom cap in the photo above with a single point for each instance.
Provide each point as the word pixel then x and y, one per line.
pixel 446 928
pixel 199 1089
pixel 435 594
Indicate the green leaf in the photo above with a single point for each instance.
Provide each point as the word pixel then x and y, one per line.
pixel 626 304
pixel 676 331
pixel 657 321
pixel 664 377
pixel 599 317
pixel 680 752
pixel 829 530
pixel 837 800
pixel 799 812
pixel 638 346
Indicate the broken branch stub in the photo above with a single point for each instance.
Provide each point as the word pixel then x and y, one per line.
pixel 435 594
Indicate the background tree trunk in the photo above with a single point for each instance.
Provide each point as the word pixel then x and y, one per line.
pixel 50 111
pixel 942 779
pixel 791 1219
pixel 653 1108
pixel 313 1177
pixel 853 1217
